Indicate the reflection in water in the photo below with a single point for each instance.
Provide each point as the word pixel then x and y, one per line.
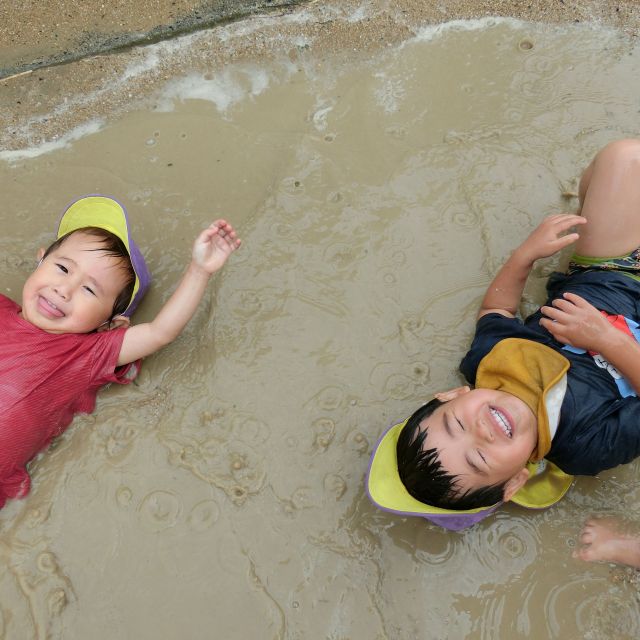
pixel 376 199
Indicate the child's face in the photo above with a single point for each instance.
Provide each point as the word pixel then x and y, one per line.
pixel 74 288
pixel 484 437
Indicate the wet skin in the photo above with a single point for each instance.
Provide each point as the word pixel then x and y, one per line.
pixel 484 437
pixel 74 288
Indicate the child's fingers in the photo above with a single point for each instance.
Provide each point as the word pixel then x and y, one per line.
pixel 221 228
pixel 570 301
pixel 577 300
pixel 560 222
pixel 548 324
pixel 224 229
pixel 565 241
pixel 229 241
pixel 569 220
pixel 229 237
pixel 557 330
pixel 552 313
pixel 563 221
pixel 566 306
pixel 558 306
pixel 450 394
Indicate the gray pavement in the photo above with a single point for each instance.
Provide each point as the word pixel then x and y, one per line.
pixel 50 32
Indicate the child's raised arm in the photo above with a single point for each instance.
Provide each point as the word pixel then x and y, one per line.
pixel 505 291
pixel 210 251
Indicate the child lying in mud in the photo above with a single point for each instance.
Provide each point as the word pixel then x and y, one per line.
pixel 555 394
pixel 72 334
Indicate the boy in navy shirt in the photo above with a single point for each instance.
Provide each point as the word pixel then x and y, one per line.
pixel 556 393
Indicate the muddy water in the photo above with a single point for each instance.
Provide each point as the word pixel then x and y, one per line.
pixel 222 495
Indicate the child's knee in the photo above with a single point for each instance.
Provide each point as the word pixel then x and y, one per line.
pixel 623 152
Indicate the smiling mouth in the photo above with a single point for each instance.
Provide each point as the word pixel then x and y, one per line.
pixel 502 422
pixel 49 308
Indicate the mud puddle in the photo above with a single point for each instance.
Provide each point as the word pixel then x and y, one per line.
pixel 222 496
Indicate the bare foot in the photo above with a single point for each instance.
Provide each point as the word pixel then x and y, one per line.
pixel 606 540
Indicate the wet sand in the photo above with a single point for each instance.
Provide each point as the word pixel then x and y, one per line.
pixel 379 170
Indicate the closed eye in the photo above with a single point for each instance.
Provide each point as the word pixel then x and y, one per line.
pixel 486 466
pixel 474 467
pixel 90 290
pixel 449 426
pixel 62 267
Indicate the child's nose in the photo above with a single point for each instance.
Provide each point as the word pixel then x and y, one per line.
pixel 485 431
pixel 62 289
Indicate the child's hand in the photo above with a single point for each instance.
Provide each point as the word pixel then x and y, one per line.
pixel 573 321
pixel 214 245
pixel 547 239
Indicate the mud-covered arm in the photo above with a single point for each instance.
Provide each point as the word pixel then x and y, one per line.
pixel 574 321
pixel 505 291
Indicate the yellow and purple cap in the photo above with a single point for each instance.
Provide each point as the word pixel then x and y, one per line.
pixel 546 485
pixel 107 213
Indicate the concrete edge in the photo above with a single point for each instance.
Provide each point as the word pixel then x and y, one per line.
pixel 198 19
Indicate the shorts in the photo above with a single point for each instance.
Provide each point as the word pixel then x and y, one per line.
pixel 629 265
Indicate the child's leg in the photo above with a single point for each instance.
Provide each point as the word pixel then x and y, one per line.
pixel 610 200
pixel 605 540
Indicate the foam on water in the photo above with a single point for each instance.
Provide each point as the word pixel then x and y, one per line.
pixel 225 89
pixel 425 34
pixel 321 114
pixel 49 146
pixel 358 15
pixel 431 32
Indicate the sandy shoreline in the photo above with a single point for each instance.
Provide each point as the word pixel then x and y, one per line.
pixel 59 32
pixel 45 104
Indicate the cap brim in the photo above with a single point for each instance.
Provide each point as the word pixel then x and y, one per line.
pixel 108 214
pixel 386 490
pixel 546 485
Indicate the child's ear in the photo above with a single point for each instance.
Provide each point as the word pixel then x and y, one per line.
pixel 117 322
pixel 445 396
pixel 515 483
pixel 40 254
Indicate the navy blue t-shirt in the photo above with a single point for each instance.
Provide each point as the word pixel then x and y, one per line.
pixel 599 422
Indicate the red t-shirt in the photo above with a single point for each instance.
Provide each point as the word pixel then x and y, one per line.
pixel 45 380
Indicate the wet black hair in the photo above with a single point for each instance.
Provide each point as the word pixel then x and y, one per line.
pixel 112 246
pixel 423 476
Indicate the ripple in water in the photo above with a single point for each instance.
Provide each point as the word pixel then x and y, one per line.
pixel 436 547
pixel 603 609
pixel 505 548
pixel 159 510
